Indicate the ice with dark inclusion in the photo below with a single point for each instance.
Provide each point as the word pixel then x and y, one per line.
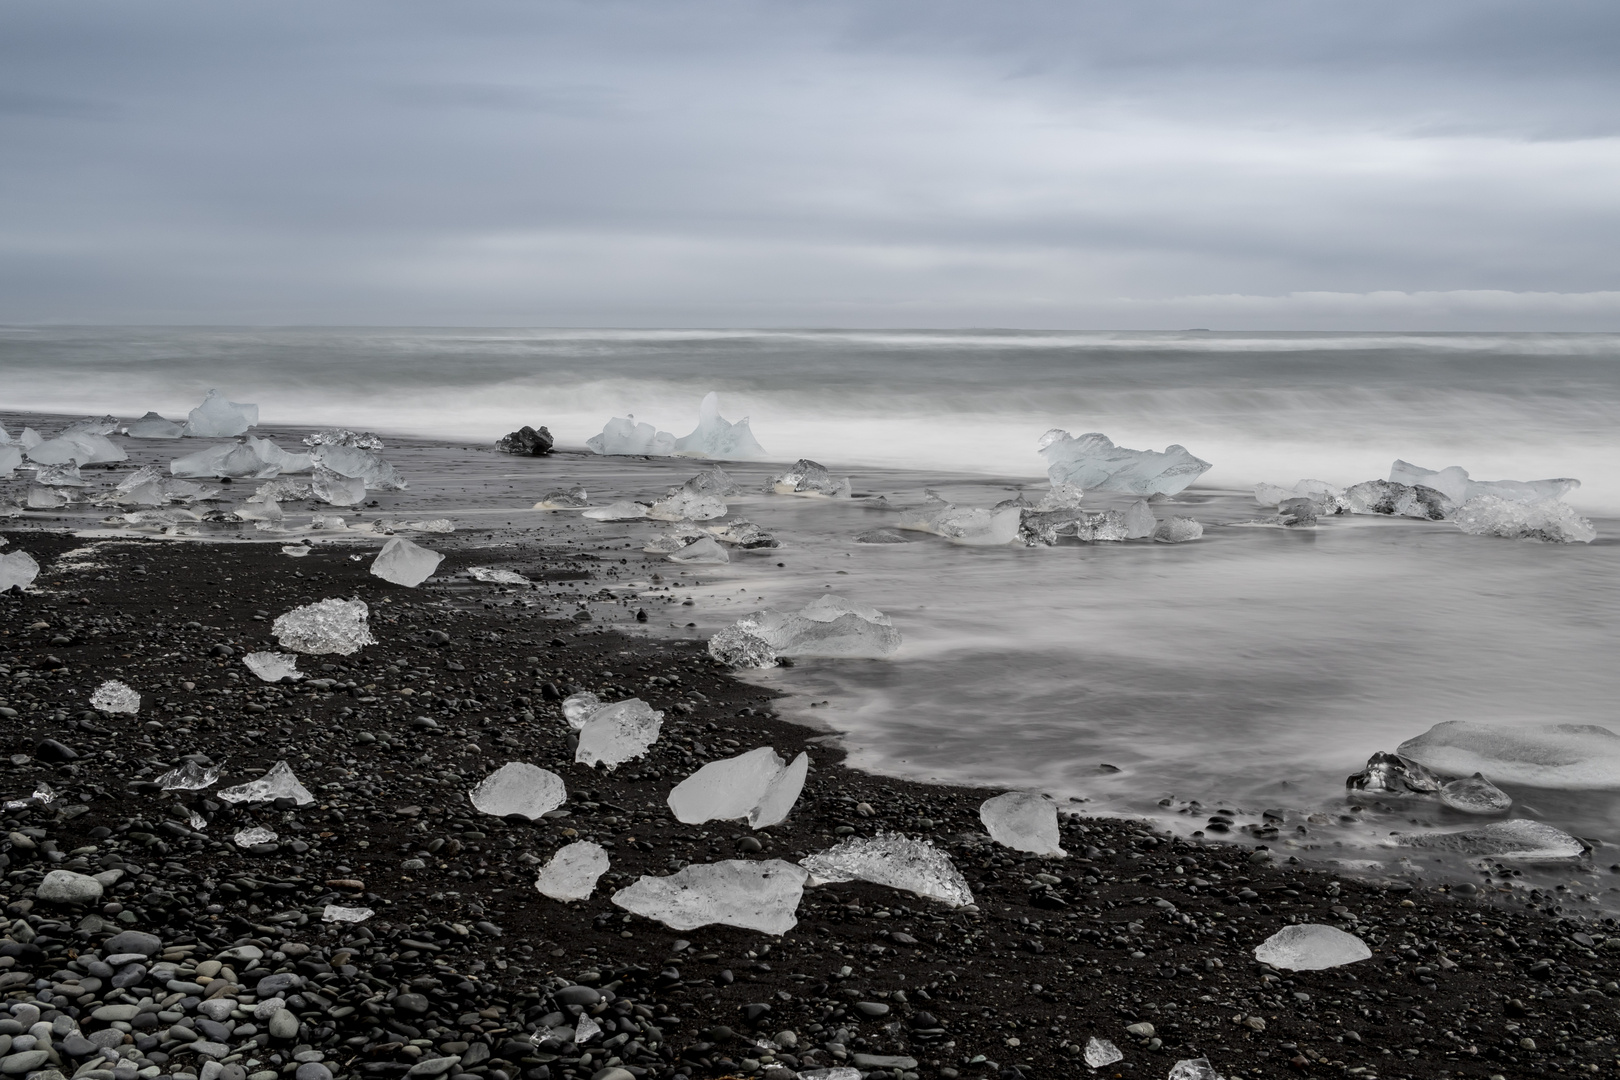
pixel 737 648
pixel 743 534
pixel 1177 530
pixel 251 837
pixel 1092 462
pixel 1454 482
pixel 807 477
pixel 153 426
pixel 1546 520
pixel 702 551
pixel 899 862
pixel 519 788
pixel 1572 757
pixel 336 489
pixel 760 895
pixel 327 626
pixel 829 626
pixel 573 871
pixel 1392 773
pixel 1023 821
pixel 278 782
pixel 1398 500
pixel 404 563
pixel 1193 1069
pixel 618 733
pixel 564 499
pixel 1311 947
pixel 683 505
pixel 491 575
pixel 757 785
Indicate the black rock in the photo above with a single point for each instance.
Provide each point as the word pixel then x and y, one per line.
pixel 51 750
pixel 527 441
pixel 133 941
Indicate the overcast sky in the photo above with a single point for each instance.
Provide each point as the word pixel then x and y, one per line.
pixel 1115 165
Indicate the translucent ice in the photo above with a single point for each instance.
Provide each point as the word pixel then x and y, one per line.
pixel 278 782
pixel 361 440
pixel 1311 947
pixel 1093 462
pixel 1390 773
pixel 271 454
pixel 1193 1069
pixel 586 1030
pixel 752 895
pixel 81 447
pixel 913 866
pixel 1567 756
pixel 10 459
pixel 577 708
pixel 715 437
pixel 881 536
pixel 268 513
pixel 564 499
pixel 338 913
pixel 740 649
pixel 1139 521
pixel 1547 520
pixel 493 576
pixel 623 510
pixel 113 696
pixel 284 489
pixel 806 477
pixel 1398 500
pixel 217 418
pixel 153 426
pixel 189 777
pixel 329 626
pixel 273 667
pixel 44 498
pixel 1455 483
pixel 1038 528
pixel 1476 795
pixel 572 873
pixel 973 526
pixel 683 505
pixel 756 785
pixel 743 534
pixel 1100 1052
pixel 713 481
pixel 248 837
pixel 519 788
pixel 705 551
pixel 1521 840
pixel 1023 821
pixel 831 627
pixel 682 534
pixel 618 733
pixel 234 460
pixel 17 570
pixel 337 490
pixel 1452 482
pixel 358 463
pixel 404 563
pixel 59 475
pixel 623 436
pixel 1178 530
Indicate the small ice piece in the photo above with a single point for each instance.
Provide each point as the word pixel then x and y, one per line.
pixel 623 510
pixel 913 866
pixel 973 526
pixel 737 787
pixel 434 525
pixel 1546 520
pixel 704 551
pixel 45 498
pixel 1520 840
pixel 267 512
pixel 1139 521
pixel 618 733
pixel 623 436
pixel 882 536
pixel 807 477
pixel 196 820
pixel 1395 775
pixel 17 570
pixel 1100 1052
pixel 282 489
pixel 1194 1069
pixel 586 1030
pixel 1455 483
pixel 1398 500
pixel 1023 821
pixel 59 475
pixel 743 534
pixel 682 534
pixel 358 463
pixel 113 696
pixel 278 782
pixel 44 794
pixel 327 522
pixel 577 708
pixel 713 481
pixel 217 418
pixel 405 563
pixel 490 575
pixel 234 460
pixel 362 440
pixel 683 505
pixel 10 459
pixel 573 872
pixel 153 426
pixel 1093 463
pixel 1574 757
pixel 296 551
pixel 338 913
pixel 1476 795
pixel 335 489
pixel 1178 530
pixel 248 837
pixel 1060 496
pixel 1311 947
pixel 564 500
pixel 146 474
pixel 329 626
pixel 757 895
pixel 273 667
pixel 519 788
pixel 716 437
pixel 189 777
pixel 739 649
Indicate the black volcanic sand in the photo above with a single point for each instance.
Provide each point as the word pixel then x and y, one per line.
pixel 462 971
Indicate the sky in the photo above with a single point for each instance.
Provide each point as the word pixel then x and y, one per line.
pixel 884 163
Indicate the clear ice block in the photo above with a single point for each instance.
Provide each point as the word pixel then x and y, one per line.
pixel 328 626
pixel 404 563
pixel 1571 757
pixel 113 696
pixel 278 782
pixel 1023 821
pixel 618 733
pixel 751 895
pixel 217 418
pixel 1093 462
pixel 572 873
pixel 1311 947
pixel 899 862
pixel 519 788
pixel 756 785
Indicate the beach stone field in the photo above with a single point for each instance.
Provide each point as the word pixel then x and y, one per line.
pixel 151 933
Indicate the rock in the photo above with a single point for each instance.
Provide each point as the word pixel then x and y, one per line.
pixel 55 752
pixel 411 1003
pixel 432 1066
pixel 136 941
pixel 108 1014
pixel 1141 1031
pixel 873 1008
pixel 884 1061
pixel 312 1070
pixel 613 1072
pixel 25 1062
pixel 527 441
pixel 66 887
pixel 283 1024
pixel 577 995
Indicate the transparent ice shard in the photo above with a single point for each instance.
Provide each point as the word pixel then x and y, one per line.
pixel 807 477
pixel 623 510
pixel 1546 520
pixel 189 777
pixel 1571 757
pixel 1476 795
pixel 404 563
pixel 113 696
pixel 564 499
pixel 1023 821
pixel 296 551
pixel 267 512
pixel 971 526
pixel 623 436
pixel 737 787
pixel 336 489
pixel 434 525
pixel 217 418
pixel 196 820
pixel 273 667
pixel 1178 530
pixel 704 551
pixel 1139 521
pixel 618 733
pixel 829 627
pixel 913 866
pixel 713 481
pixel 271 454
pixel 1398 500
pixel 715 437
pixel 80 447
pixel 17 570
pixel 329 626
pixel 153 426
pixel 586 1030
pixel 577 708
pixel 572 873
pixel 248 837
pixel 1392 773
pixel 43 795
pixel 339 913
pixel 1092 462
pixel 683 505
pixel 10 459
pixel 278 782
pixel 490 575
pixel 1518 840
pixel 682 534
pixel 282 489
pixel 1311 947
pixel 1455 483
pixel 882 536
pixel 358 463
pixel 752 895
pixel 59 475
pixel 44 498
pixel 1193 1069
pixel 519 788
pixel 739 649
pixel 360 440
pixel 234 460
pixel 743 534
pixel 1100 1052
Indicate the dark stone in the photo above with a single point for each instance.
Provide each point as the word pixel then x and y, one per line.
pixel 411 1003
pixel 133 941
pixel 53 751
pixel 527 441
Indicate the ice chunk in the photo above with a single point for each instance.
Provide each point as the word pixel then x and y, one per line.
pixel 1547 520
pixel 564 500
pixel 1390 773
pixel 1100 1052
pixel 913 866
pixel 1476 795
pixel 743 534
pixel 278 782
pixel 623 436
pixel 44 498
pixel 153 426
pixel 1520 840
pixel 1452 482
pixel 519 788
pixel 577 708
pixel 357 463
pixel 586 1030
pixel 683 505
pixel 1139 521
pixel 752 895
pixel 618 733
pixel 1311 947
pixel 404 563
pixel 1177 530
pixel 705 551
pixel 717 438
pixel 17 570
pixel 189 777
pixel 327 523
pixel 296 551
pixel 271 454
pixel 234 460
pixel 29 438
pixel 737 787
pixel 847 632
pixel 490 575
pixel 81 447
pixel 1059 496
pixel 830 607
pixel 527 442
pixel 273 667
pixel 1566 756
pixel 59 475
pixel 623 510
pixel 249 837
pixel 1092 462
pixel 882 536
pixel 806 477
pixel 1455 483
pixel 974 526
pixel 337 490
pixel 1023 821
pixel 10 459
pixel 572 873
pixel 282 490
pixel 680 536
pixel 1038 528
pixel 1398 500
pixel 1193 1069
pixel 113 696
pixel 338 913
pixel 329 626
pixel 217 418
pixel 713 481
pixel 267 513
pixel 739 649
pixel 361 440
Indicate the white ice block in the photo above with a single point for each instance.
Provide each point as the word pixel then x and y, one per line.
pixel 1311 947
pixel 278 782
pixel 328 626
pixel 404 563
pixel 1023 821
pixel 758 895
pixel 1093 462
pixel 519 788
pixel 618 733
pixel 913 866
pixel 1572 757
pixel 572 873
pixel 756 785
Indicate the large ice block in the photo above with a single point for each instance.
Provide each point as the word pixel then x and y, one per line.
pixel 713 481
pixel 327 626
pixel 1177 530
pixel 715 437
pixel 743 534
pixel 1398 500
pixel 618 733
pixel 335 489
pixel 217 418
pixel 1454 482
pixel 577 708
pixel 17 570
pixel 273 667
pixel 899 862
pixel 572 873
pixel 1566 756
pixel 829 627
pixel 623 436
pixel 153 426
pixel 704 551
pixel 113 696
pixel 739 649
pixel 751 895
pixel 357 463
pixel 360 440
pixel 807 477
pixel 80 447
pixel 405 563
pixel 1325 499
pixel 278 782
pixel 1518 840
pixel 683 505
pixel 1023 821
pixel 1546 520
pixel 1476 795
pixel 1043 528
pixel 623 510
pixel 46 498
pixel 59 475
pixel 970 526
pixel 1093 462
pixel 234 460
pixel 519 788
pixel 10 458
pixel 756 785
pixel 1311 947
pixel 271 454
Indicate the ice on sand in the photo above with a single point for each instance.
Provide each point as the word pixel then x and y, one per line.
pixel 266 515
pixel 59 475
pixel 586 1030
pixel 683 505
pixel 757 785
pixel 829 627
pixel 573 872
pixel 1566 756
pixel 10 459
pixel 577 708
pixel 618 733
pixel 564 500
pixel 1325 499
pixel 1398 500
pixel 405 563
pixel 153 426
pixel 249 837
pixel 273 667
pixel 971 526
pixel 189 777
pixel 519 788
pixel 234 460
pixel 1178 530
pixel 899 862
pixel 113 696
pixel 713 481
pixel 79 447
pixel 705 550
pixel 339 913
pixel 715 437
pixel 1455 483
pixel 358 463
pixel 622 435
pixel 489 575
pixel 271 454
pixel 807 477
pixel 1023 821
pixel 1093 462
pixel 1139 521
pixel 336 489
pixel 1476 795
pixel 739 649
pixel 1519 840
pixel 1311 947
pixel 17 570
pixel 743 534
pixel 278 782
pixel 623 510
pixel 1100 1052
pixel 751 895
pixel 1038 528
pixel 328 626
pixel 362 440
pixel 1547 520
pixel 1193 1069
pixel 217 418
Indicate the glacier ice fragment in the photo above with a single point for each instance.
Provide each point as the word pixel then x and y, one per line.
pixel 273 667
pixel 10 460
pixel 882 536
pixel 1023 821
pixel 1193 1069
pixel 519 788
pixel 1519 840
pixel 59 475
pixel 234 460
pixel 1093 462
pixel 756 785
pixel 153 426
pixel 1476 795
pixel 623 510
pixel 1455 483
pixel 249 837
pixel 751 895
pixel 704 551
pixel 17 570
pixel 113 696
pixel 336 489
pixel 1565 756
pixel 1139 521
pixel 829 627
pixel 217 418
pixel 1178 530
pixel 189 777
pixel 1311 947
pixel 405 563
pixel 490 575
pixel 743 534
pixel 357 463
pixel 282 489
pixel 618 733
pixel 80 447
pixel 577 708
pixel 713 481
pixel 1100 1052
pixel 970 526
pixel 683 505
pixel 586 1030
pixel 1547 520
pixel 807 477
pixel 328 626
pixel 360 440
pixel 715 437
pixel 573 871
pixel 899 862
pixel 564 499
pixel 339 913
pixel 271 454
pixel 624 436
pixel 1398 500
pixel 739 649
pixel 278 782
pixel 1391 773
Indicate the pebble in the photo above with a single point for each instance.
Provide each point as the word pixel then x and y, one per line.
pixel 67 887
pixel 283 1024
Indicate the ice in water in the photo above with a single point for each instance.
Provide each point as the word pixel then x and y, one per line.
pixel 573 872
pixel 564 499
pixel 362 440
pixel 618 733
pixel 278 782
pixel 59 475
pixel 1139 521
pixel 738 648
pixel 899 862
pixel 113 696
pixel 358 463
pixel 1100 1052
pixel 17 570
pixel 189 777
pixel 153 426
pixel 716 437
pixel 519 788
pixel 807 477
pixel 756 785
pixel 622 435
pixel 1193 1069
pixel 830 627
pixel 1476 795
pixel 704 551
pixel 217 418
pixel 247 838
pixel 743 534
pixel 1023 821
pixel 1391 773
pixel 1518 840
pixel 234 460
pixel 271 454
pixel 971 526
pixel 882 536
pixel 1564 756
pixel 1311 947
pixel 328 626
pixel 1455 483
pixel 1398 500
pixel 683 505
pixel 623 510
pixel 336 489
pixel 1093 462
pixel 490 575
pixel 1324 497
pixel 1547 520
pixel 405 563
pixel 751 895
pixel 577 708
pixel 79 447
pixel 713 481
pixel 1177 530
